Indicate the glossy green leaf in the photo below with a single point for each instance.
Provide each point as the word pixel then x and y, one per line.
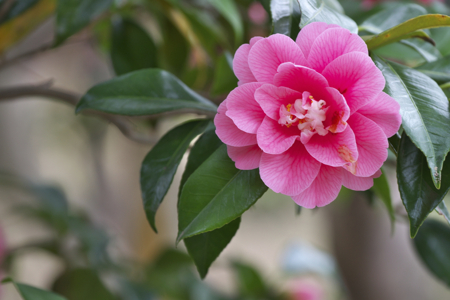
pixel 424 109
pixel 397 32
pixel 432 244
pixel 82 284
pixel 425 49
pixel 74 15
pixel 224 79
pixel 161 163
pixel 249 281
pixel 206 247
pixel 418 193
pixel 381 189
pixel 230 12
pixel 216 194
pixel 132 48
pixel 202 149
pixel 286 17
pixel 144 92
pixel 319 11
pixel 438 70
pixel 443 211
pixel 31 293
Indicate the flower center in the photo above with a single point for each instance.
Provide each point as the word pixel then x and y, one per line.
pixel 307 113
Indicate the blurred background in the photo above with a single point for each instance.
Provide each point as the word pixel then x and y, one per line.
pixel 71 213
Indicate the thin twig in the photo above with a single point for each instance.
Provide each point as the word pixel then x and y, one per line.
pixel 45 90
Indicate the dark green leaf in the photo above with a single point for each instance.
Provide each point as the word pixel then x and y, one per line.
pixel 286 17
pixel 381 189
pixel 161 163
pixel 266 5
pixel 31 293
pixel 424 109
pixel 438 70
pixel 394 143
pixel 82 284
pixel 224 79
pixel 74 15
pixel 443 211
pixel 230 12
pixel 249 281
pixel 319 11
pixel 144 92
pixel 206 247
pixel 216 194
pixel 432 244
pixel 12 9
pixel 132 48
pixel 418 193
pixel 203 148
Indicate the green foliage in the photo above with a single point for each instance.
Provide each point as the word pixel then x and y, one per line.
pixel 230 12
pixel 425 124
pixel 161 163
pixel 439 70
pixel 216 194
pixel 381 189
pixel 17 8
pixel 31 293
pixel 432 244
pixel 224 79
pixel 419 195
pixel 144 92
pixel 132 48
pixel 286 17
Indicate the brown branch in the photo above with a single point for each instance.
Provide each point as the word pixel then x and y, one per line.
pixel 44 90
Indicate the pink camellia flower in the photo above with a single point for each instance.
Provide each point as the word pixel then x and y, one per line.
pixel 310 114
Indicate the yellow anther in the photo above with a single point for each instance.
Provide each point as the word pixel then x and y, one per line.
pixel 288 107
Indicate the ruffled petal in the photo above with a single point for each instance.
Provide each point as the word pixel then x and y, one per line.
pixel 274 138
pixel 240 62
pixel 334 149
pixel 243 108
pixel 356 77
pixel 270 99
pixel 267 54
pixel 309 33
pixel 356 183
pixel 372 146
pixel 289 173
pixel 384 111
pixel 324 189
pixel 245 158
pixel 338 111
pixel 228 132
pixel 333 43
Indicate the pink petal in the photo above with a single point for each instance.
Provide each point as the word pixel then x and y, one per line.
pixel 356 183
pixel 334 149
pixel 384 111
pixel 267 54
pixel 240 62
pixel 301 79
pixel 228 132
pixel 372 146
pixel 274 138
pixel 270 98
pixel 356 77
pixel 289 173
pixel 243 109
pixel 309 33
pixel 333 43
pixel 245 158
pixel 324 189
pixel 338 111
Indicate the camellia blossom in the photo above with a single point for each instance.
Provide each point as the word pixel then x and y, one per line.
pixel 310 114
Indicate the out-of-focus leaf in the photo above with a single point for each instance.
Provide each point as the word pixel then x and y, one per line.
pixel 15 29
pixel 442 210
pixel 132 48
pixel 31 293
pixel 161 163
pixel 216 194
pixel 418 193
pixel 427 125
pixel 438 70
pixel 12 9
pixel 174 51
pixel 230 12
pixel 82 284
pixel 224 78
pixel 442 37
pixel 319 11
pixel 206 247
pixel 249 281
pixel 74 15
pixel 266 5
pixel 144 92
pixel 432 244
pixel 425 49
pixel 381 189
pixel 202 149
pixel 286 17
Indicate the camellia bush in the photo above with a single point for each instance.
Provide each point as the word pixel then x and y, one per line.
pixel 320 102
